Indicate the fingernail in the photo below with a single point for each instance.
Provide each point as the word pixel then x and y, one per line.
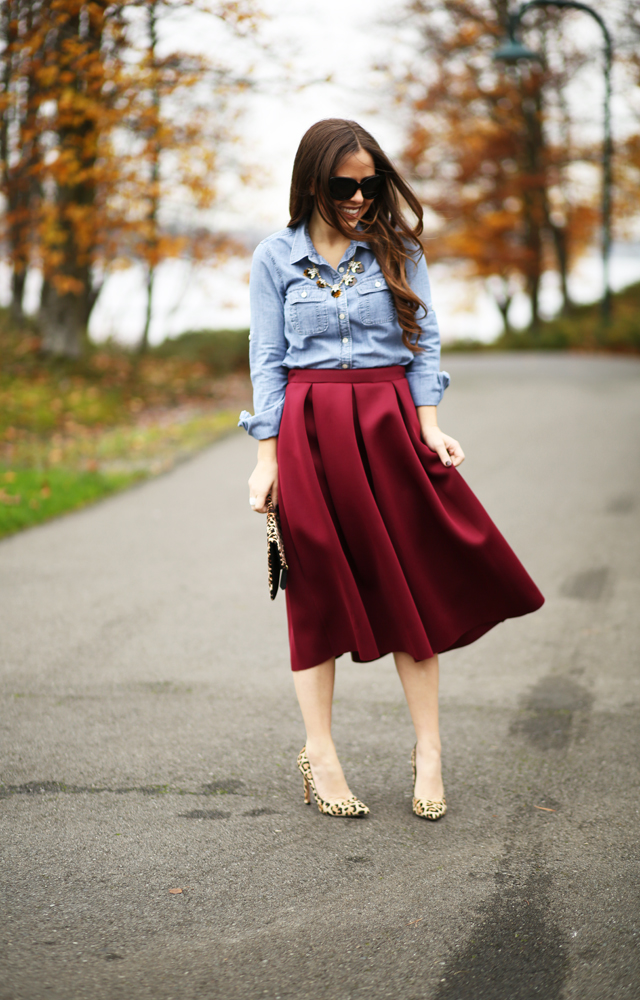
pixel 448 463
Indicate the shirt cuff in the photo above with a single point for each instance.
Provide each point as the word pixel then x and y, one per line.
pixel 427 390
pixel 262 425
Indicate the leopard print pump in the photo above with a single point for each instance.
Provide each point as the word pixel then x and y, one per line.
pixel 342 807
pixel 426 808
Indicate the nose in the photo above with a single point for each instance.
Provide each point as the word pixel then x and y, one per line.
pixel 357 198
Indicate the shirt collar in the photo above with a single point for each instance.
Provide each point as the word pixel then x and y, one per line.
pixel 303 247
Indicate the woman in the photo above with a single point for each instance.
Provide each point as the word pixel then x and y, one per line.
pixel 388 549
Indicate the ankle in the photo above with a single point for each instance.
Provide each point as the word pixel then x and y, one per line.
pixel 428 750
pixel 322 751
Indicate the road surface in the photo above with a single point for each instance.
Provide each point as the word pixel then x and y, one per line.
pixel 149 733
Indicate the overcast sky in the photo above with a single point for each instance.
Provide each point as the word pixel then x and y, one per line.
pixel 344 42
pixel 311 42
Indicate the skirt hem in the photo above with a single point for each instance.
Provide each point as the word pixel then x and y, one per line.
pixel 465 639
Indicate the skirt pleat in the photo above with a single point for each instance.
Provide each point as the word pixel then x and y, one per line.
pixel 388 550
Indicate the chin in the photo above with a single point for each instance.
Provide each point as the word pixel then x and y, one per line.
pixel 351 220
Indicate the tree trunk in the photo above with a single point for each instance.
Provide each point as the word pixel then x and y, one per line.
pixel 151 248
pixel 18 281
pixel 559 234
pixel 534 268
pixel 63 321
pixel 534 191
pixel 499 289
pixel 144 341
pixel 504 305
pixel 533 288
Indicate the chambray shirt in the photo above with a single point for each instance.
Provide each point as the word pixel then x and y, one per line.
pixel 295 324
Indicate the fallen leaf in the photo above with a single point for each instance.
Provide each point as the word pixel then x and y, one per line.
pixel 9 477
pixel 174 891
pixel 414 921
pixel 545 809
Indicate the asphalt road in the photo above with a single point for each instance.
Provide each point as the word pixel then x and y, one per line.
pixel 149 732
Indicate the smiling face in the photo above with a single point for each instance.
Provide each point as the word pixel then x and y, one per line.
pixel 358 166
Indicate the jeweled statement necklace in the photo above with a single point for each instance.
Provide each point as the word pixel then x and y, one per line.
pixel 355 267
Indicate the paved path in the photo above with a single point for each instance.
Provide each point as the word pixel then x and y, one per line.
pixel 149 734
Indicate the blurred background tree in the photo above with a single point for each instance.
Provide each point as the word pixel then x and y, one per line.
pixel 182 116
pixel 97 126
pixel 78 49
pixel 496 155
pixel 20 149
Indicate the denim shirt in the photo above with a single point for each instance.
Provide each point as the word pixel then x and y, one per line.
pixel 295 324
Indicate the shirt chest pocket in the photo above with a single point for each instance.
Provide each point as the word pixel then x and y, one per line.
pixel 375 302
pixel 306 310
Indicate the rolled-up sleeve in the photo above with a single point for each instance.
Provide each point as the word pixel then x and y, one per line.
pixel 426 382
pixel 267 347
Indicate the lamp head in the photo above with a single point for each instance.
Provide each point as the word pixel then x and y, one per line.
pixel 512 52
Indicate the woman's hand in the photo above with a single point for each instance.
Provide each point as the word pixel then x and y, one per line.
pixel 264 478
pixel 447 448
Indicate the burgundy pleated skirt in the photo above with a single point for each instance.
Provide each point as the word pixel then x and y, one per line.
pixel 388 550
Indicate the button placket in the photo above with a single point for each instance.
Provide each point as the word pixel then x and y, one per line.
pixel 344 329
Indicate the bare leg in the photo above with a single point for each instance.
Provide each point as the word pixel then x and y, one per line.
pixel 314 688
pixel 420 683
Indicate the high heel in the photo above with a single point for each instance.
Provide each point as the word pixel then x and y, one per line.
pixel 341 807
pixel 426 808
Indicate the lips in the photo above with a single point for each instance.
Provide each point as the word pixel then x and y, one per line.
pixel 351 213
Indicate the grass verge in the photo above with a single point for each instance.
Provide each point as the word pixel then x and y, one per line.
pixel 51 477
pixel 30 496
pixel 72 432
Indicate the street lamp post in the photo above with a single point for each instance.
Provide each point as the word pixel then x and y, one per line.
pixel 513 51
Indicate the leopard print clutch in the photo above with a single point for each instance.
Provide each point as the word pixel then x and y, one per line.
pixel 276 560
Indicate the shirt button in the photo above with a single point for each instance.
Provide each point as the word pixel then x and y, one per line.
pixel 340 270
pixel 377 284
pixel 345 340
pixel 345 366
pixel 341 316
pixel 303 294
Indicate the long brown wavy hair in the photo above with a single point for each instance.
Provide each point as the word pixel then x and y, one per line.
pixel 321 151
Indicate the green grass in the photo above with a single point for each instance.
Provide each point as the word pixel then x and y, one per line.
pixel 31 496
pixel 51 477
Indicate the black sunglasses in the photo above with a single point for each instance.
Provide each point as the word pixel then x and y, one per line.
pixel 344 188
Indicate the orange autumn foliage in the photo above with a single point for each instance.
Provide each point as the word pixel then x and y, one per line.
pixel 97 130
pixel 493 151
